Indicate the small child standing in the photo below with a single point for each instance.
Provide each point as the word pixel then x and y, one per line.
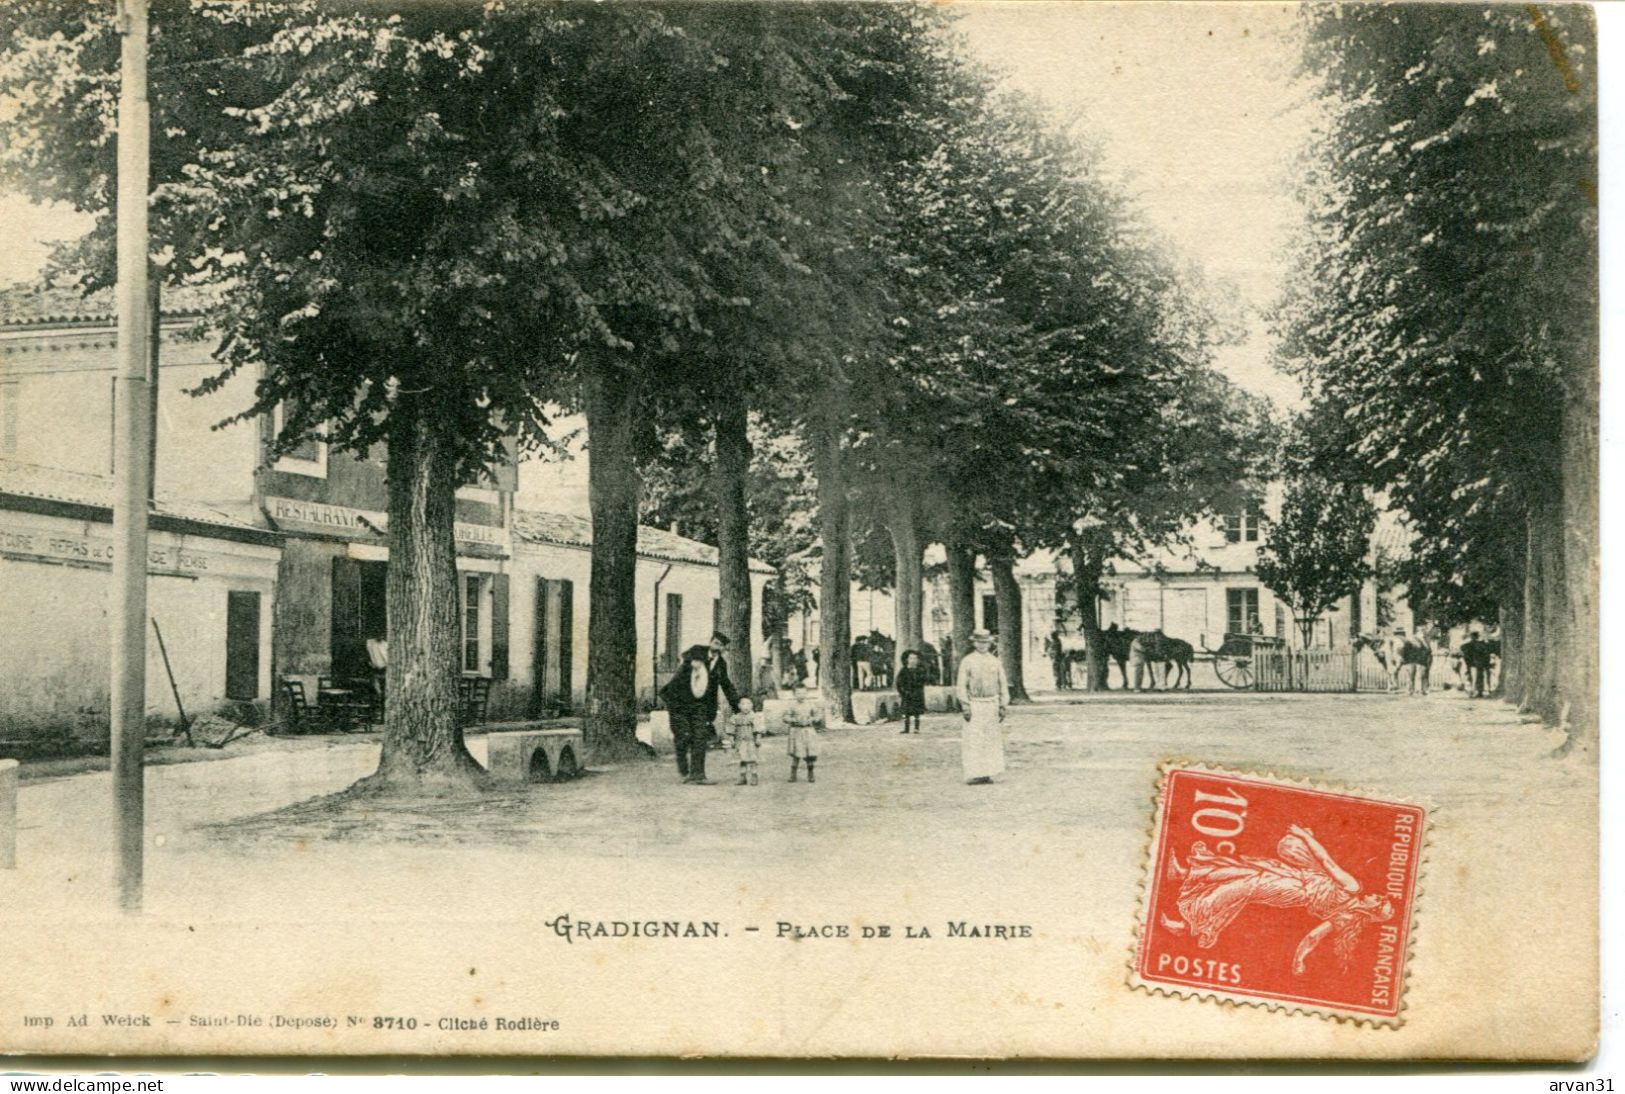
pixel 803 742
pixel 743 727
pixel 911 690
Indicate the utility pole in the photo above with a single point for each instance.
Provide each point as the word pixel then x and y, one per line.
pixel 132 429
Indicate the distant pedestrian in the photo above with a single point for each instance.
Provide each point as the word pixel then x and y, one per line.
pixel 911 689
pixel 803 742
pixel 743 727
pixel 1475 654
pixel 984 696
pixel 1059 662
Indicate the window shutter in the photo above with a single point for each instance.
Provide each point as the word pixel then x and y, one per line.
pixel 567 643
pixel 242 645
pixel 499 627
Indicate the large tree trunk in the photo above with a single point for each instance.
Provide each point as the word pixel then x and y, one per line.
pixel 1581 677
pixel 1086 574
pixel 1509 683
pixel 1546 629
pixel 609 395
pixel 907 553
pixel 835 573
pixel 733 540
pixel 1534 630
pixel 1554 616
pixel 961 600
pixel 1007 594
pixel 423 745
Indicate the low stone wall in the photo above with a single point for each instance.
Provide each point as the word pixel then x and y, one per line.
pixel 869 707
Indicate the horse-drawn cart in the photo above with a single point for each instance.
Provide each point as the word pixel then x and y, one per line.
pixel 1233 660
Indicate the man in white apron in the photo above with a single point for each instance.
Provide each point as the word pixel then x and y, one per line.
pixel 984 695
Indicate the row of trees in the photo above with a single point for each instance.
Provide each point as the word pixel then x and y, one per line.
pixel 1444 315
pixel 776 255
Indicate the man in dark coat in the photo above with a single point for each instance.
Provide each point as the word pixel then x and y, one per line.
pixel 683 709
pixel 691 700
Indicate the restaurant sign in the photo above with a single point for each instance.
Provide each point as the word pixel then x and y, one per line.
pixel 293 515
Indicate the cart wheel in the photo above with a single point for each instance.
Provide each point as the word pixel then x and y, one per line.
pixel 1233 673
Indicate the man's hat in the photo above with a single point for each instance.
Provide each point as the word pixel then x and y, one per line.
pixel 981 636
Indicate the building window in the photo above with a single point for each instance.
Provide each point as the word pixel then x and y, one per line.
pixel 1242 525
pixel 1241 611
pixel 308 458
pixel 476 622
pixel 990 614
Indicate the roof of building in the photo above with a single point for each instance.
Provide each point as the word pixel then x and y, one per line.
pixel 27 481
pixel 565 530
pixel 37 304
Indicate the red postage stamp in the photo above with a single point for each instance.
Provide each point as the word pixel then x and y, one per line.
pixel 1262 890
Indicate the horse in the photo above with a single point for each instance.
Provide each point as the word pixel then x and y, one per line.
pixel 1180 653
pixel 1395 653
pixel 1152 648
pixel 1116 643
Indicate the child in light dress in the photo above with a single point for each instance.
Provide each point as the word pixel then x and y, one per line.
pixel 743 727
pixel 803 742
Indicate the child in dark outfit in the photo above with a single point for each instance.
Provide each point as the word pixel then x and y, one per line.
pixel 911 689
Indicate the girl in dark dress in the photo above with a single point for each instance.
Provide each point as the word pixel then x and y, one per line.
pixel 911 689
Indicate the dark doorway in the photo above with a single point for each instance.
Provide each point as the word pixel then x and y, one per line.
pixel 360 612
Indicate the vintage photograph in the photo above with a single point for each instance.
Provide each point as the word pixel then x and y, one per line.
pixel 767 529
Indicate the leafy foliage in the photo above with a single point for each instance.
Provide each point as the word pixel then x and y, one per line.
pixel 1452 248
pixel 1319 549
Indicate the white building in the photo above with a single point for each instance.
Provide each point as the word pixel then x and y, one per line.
pixel 305 537
pixel 212 581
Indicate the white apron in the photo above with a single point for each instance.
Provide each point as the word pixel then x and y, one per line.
pixel 981 743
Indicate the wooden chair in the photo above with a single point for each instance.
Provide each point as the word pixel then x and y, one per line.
pixel 301 718
pixel 345 708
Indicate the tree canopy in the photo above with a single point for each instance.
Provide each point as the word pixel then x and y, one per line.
pixel 1442 309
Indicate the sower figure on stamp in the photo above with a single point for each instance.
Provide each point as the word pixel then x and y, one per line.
pixel 1213 890
pixel 984 695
